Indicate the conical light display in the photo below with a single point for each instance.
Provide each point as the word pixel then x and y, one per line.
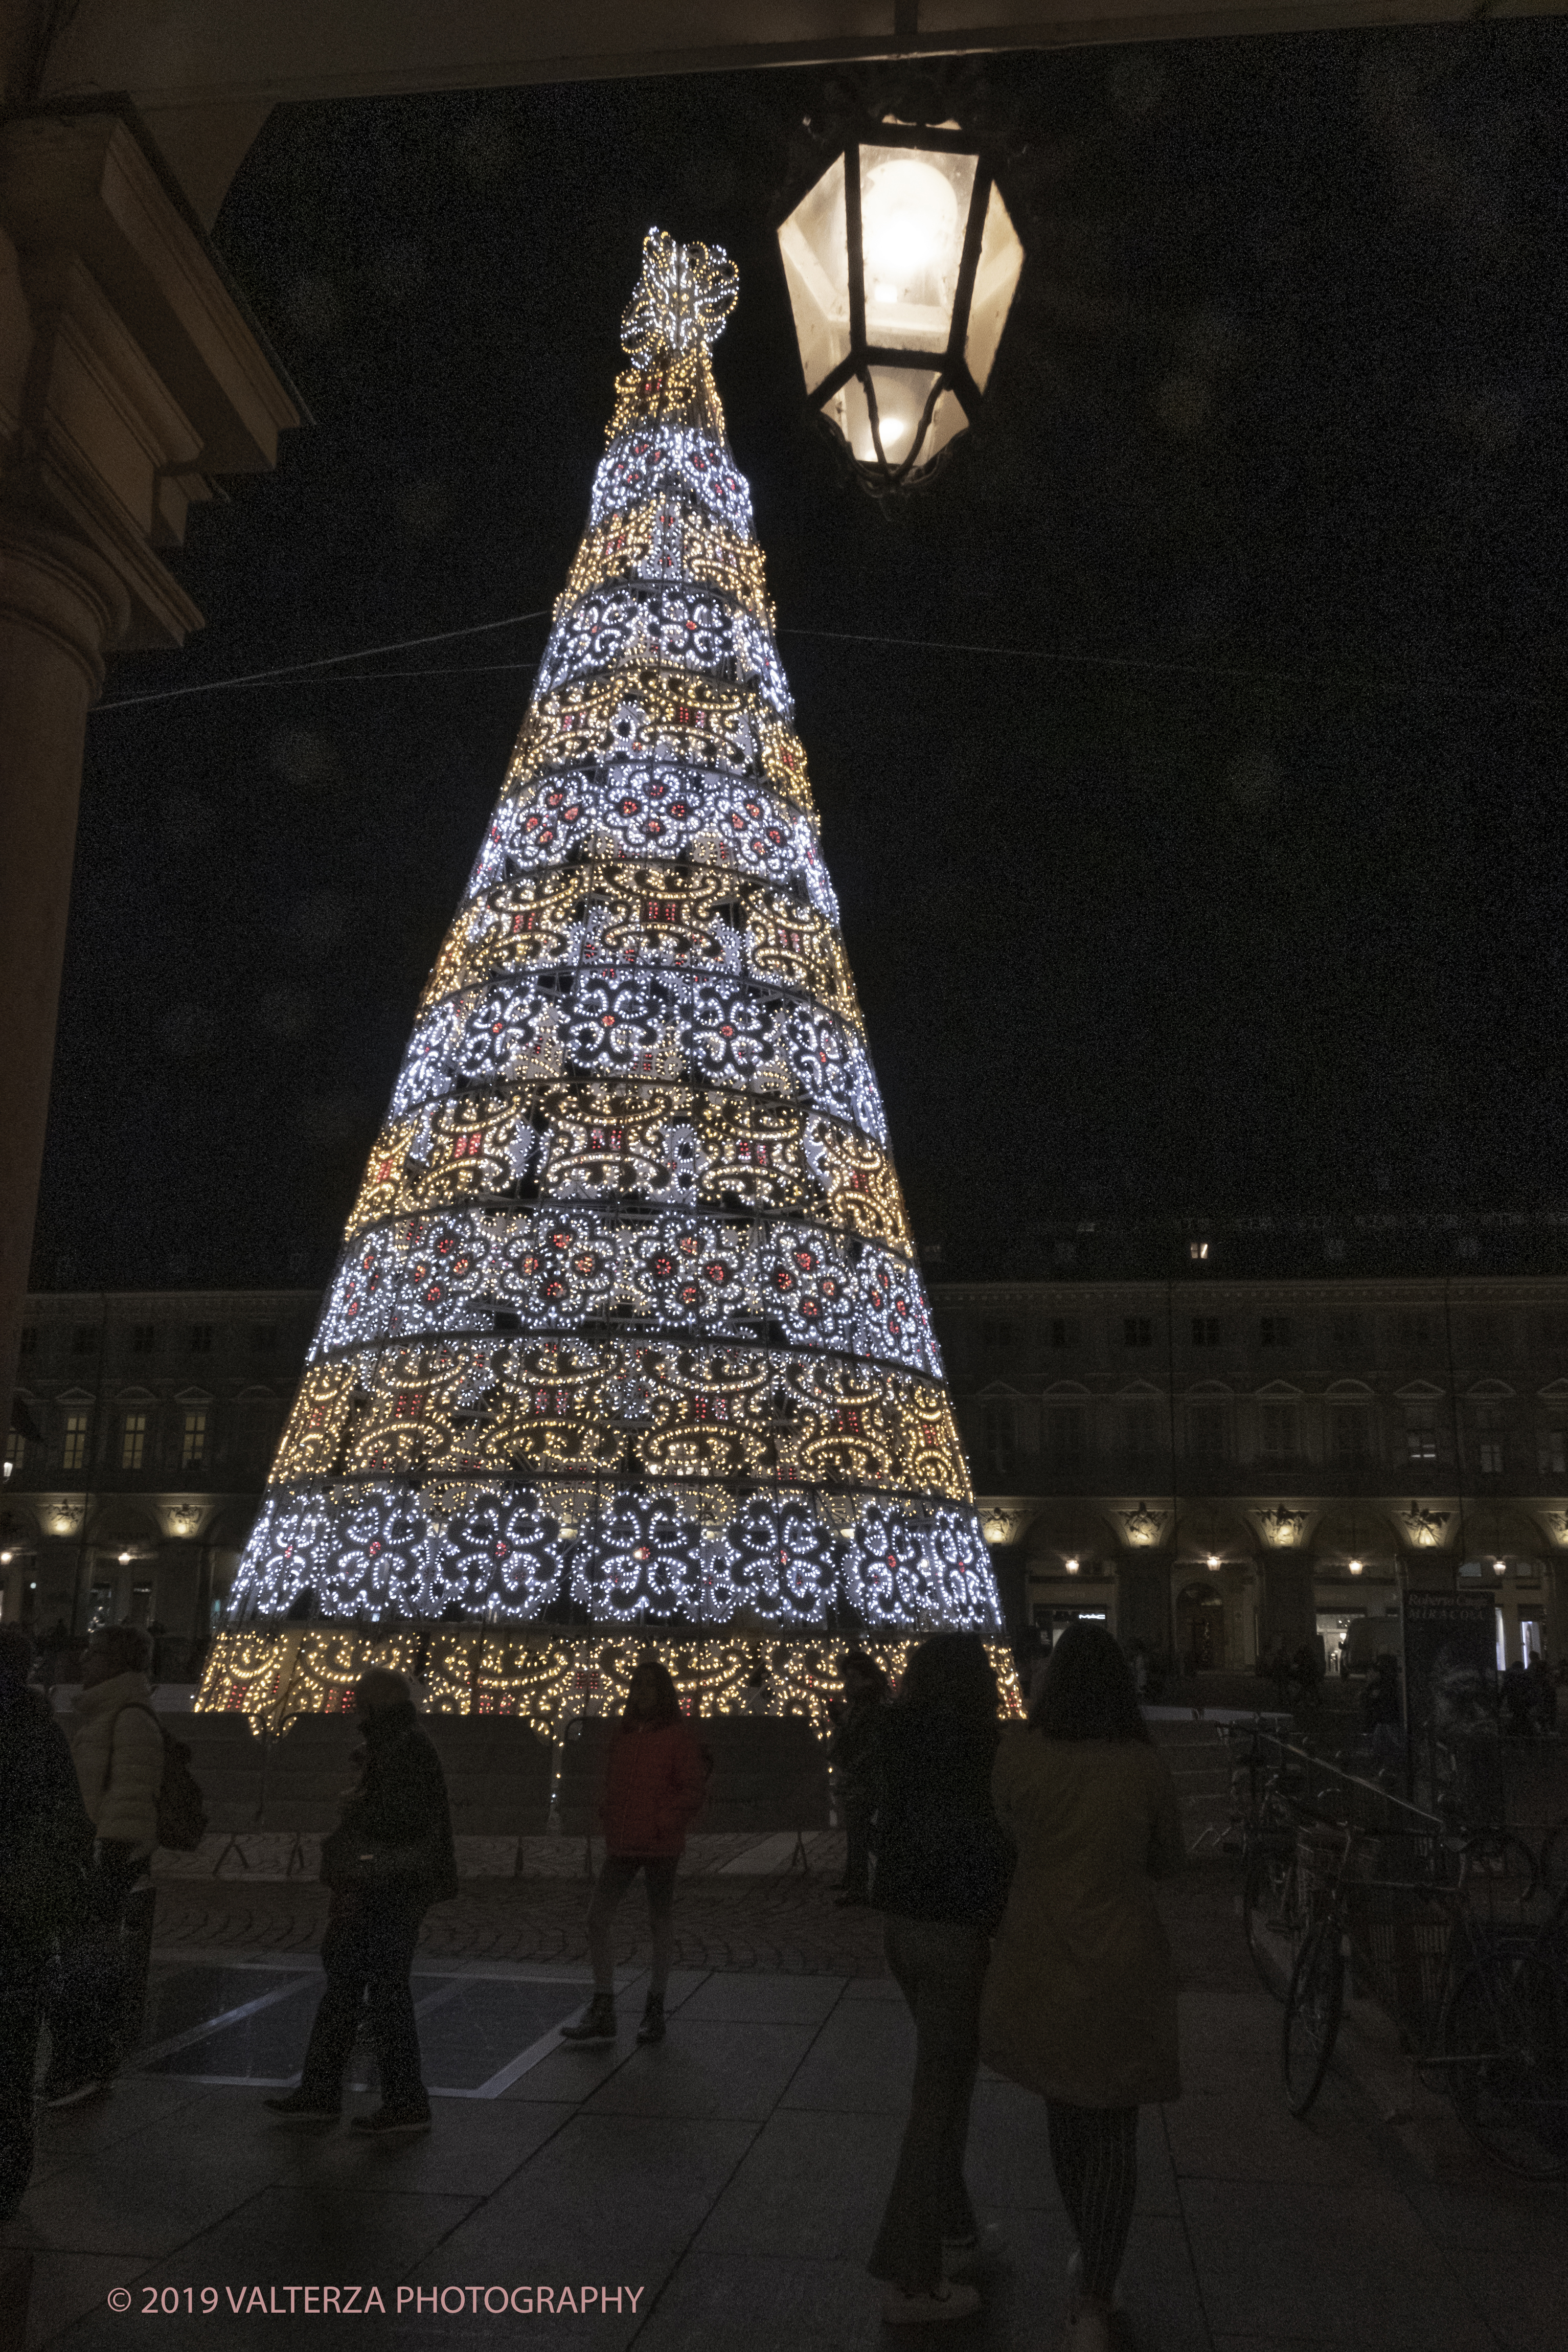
pixel 627 1321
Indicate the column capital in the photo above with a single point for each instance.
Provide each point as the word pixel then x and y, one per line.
pixel 63 590
pixel 129 374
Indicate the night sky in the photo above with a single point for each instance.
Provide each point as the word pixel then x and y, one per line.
pixel 1260 908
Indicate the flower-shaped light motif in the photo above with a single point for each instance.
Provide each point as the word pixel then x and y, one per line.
pixel 290 1549
pixel 961 1570
pixel 883 1575
pixel 809 1287
pixel 505 1551
pixel 692 1272
pixel 687 291
pixel 782 1560
pixel 727 1032
pixel 638 1555
pixel 497 1030
pixel 615 1024
pixel 384 1557
pixel 563 1269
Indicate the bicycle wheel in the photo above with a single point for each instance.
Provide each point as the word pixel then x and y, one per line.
pixel 1313 2007
pixel 1272 1918
pixel 1499 1855
pixel 1507 2021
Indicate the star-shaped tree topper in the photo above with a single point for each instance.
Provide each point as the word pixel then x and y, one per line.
pixel 687 291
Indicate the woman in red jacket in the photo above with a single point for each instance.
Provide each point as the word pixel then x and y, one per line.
pixel 654 1786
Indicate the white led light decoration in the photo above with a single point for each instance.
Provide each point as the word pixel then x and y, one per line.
pixel 628 1314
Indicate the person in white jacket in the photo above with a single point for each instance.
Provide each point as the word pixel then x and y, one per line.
pixel 117 1747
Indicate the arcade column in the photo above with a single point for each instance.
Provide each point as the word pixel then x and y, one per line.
pixel 1143 1600
pixel 130 377
pixel 1287 1605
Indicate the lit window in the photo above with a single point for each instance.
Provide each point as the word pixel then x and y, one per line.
pixel 133 1441
pixel 1420 1432
pixel 73 1452
pixel 1491 1457
pixel 194 1441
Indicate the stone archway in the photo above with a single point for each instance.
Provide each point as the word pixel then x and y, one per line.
pixel 1200 1616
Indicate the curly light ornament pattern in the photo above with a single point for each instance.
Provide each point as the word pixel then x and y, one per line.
pixel 687 294
pixel 628 1315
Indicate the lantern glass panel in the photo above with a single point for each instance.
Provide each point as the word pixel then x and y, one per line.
pixel 995 282
pixel 813 248
pixel 914 209
pixel 901 397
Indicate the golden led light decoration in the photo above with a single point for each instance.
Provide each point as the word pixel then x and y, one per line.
pixel 629 1330
pixel 902 264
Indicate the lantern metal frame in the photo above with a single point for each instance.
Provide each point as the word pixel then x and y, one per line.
pixel 884 479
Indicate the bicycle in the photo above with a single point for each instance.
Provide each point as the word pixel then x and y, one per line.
pixel 1485 2004
pixel 1273 1919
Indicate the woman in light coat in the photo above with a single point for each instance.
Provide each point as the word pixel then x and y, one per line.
pixel 116 1748
pixel 1080 2000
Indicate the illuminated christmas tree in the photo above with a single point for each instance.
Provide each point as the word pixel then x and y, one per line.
pixel 628 1314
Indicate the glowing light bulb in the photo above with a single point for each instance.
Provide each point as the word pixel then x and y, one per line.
pixel 1355 1568
pixel 1214 1560
pixel 125 1560
pixel 909 231
pixel 7 1557
pixel 1071 1566
pixel 1499 1567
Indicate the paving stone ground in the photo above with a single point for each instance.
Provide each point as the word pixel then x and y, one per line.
pixel 782 1919
pixel 733 2174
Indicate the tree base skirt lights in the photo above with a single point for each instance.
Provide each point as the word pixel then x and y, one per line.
pixel 548 1675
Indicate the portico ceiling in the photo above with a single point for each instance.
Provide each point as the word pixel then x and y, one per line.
pixel 207 73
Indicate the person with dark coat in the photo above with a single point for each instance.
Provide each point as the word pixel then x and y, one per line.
pixel 1380 1711
pixel 1080 2002
pixel 654 1784
pixel 1542 1690
pixel 942 1869
pixel 852 1758
pixel 45 1846
pixel 390 1858
pixel 117 1748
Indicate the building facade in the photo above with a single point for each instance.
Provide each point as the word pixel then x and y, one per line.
pixel 1204 1462
pixel 1208 1463
pixel 142 1429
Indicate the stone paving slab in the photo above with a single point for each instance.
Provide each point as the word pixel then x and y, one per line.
pixel 733 2175
pixel 784 1923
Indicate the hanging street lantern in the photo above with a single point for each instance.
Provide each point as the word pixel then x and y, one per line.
pixel 902 264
